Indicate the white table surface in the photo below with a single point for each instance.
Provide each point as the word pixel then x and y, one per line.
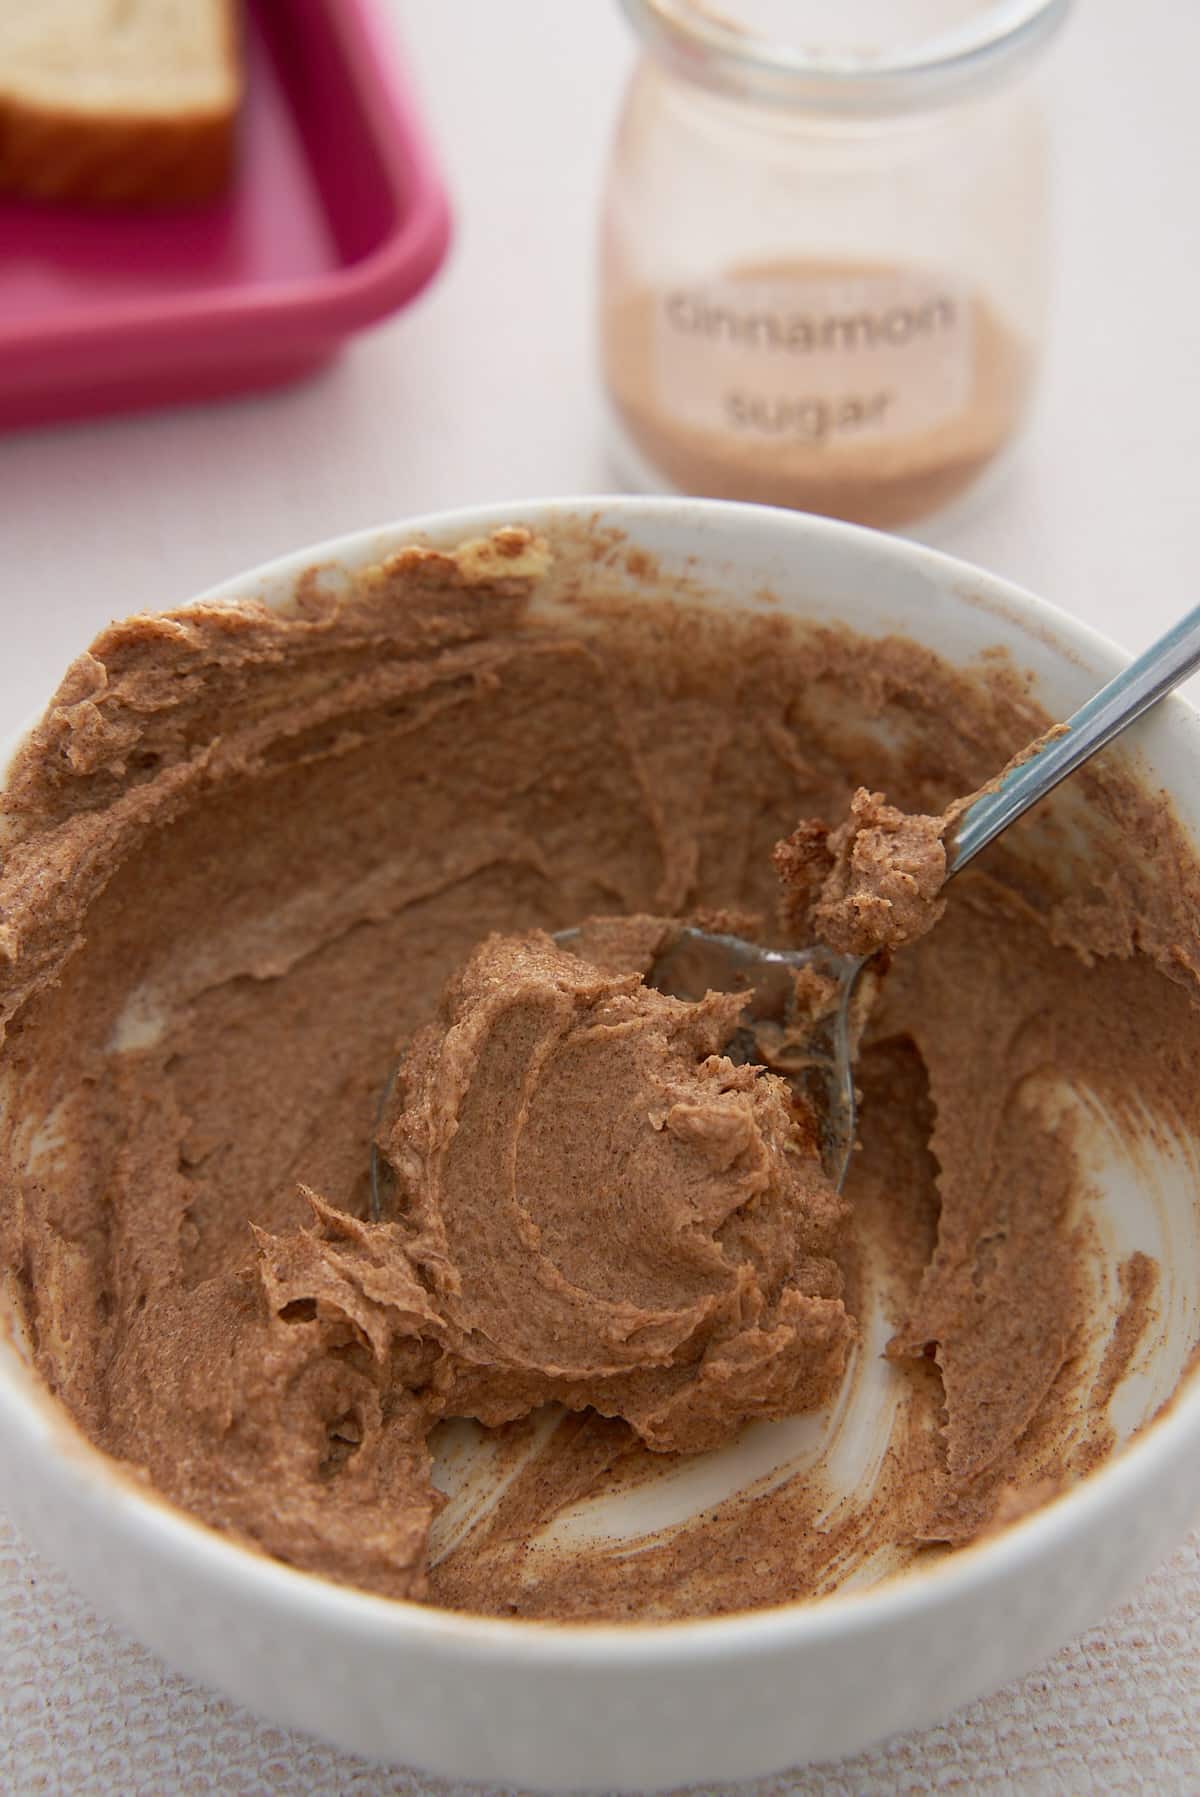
pixel 484 390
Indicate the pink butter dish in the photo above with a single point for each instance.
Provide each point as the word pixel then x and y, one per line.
pixel 337 217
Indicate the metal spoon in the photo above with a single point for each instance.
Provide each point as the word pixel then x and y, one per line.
pixel 697 961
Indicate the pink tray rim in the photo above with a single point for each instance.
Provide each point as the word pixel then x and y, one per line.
pixel 326 306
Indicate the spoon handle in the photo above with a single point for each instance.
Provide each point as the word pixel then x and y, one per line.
pixel 1168 661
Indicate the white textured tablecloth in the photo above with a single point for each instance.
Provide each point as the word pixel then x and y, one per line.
pixel 484 390
pixel 82 1709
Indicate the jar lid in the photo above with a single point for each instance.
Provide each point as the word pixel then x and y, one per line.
pixel 857 56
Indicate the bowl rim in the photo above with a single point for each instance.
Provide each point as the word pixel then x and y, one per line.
pixel 33 1422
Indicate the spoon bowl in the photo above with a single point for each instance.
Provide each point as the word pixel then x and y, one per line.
pixel 813 1047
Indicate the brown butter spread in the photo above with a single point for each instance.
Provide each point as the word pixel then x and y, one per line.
pixel 244 853
pixel 875 881
pixel 607 1212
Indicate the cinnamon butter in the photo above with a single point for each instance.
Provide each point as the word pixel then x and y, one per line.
pixel 256 861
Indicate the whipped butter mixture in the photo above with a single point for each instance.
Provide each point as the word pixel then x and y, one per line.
pixel 274 883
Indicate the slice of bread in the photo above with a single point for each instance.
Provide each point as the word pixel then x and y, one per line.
pixel 118 102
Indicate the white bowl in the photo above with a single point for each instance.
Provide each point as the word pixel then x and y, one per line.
pixel 650 1706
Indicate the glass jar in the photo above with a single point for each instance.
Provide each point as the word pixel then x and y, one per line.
pixel 823 263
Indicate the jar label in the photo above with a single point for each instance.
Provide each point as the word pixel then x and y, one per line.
pixel 821 360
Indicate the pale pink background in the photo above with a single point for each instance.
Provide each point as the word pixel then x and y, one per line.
pixel 484 390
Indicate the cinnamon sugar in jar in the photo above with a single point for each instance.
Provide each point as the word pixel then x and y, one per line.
pixel 824 257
